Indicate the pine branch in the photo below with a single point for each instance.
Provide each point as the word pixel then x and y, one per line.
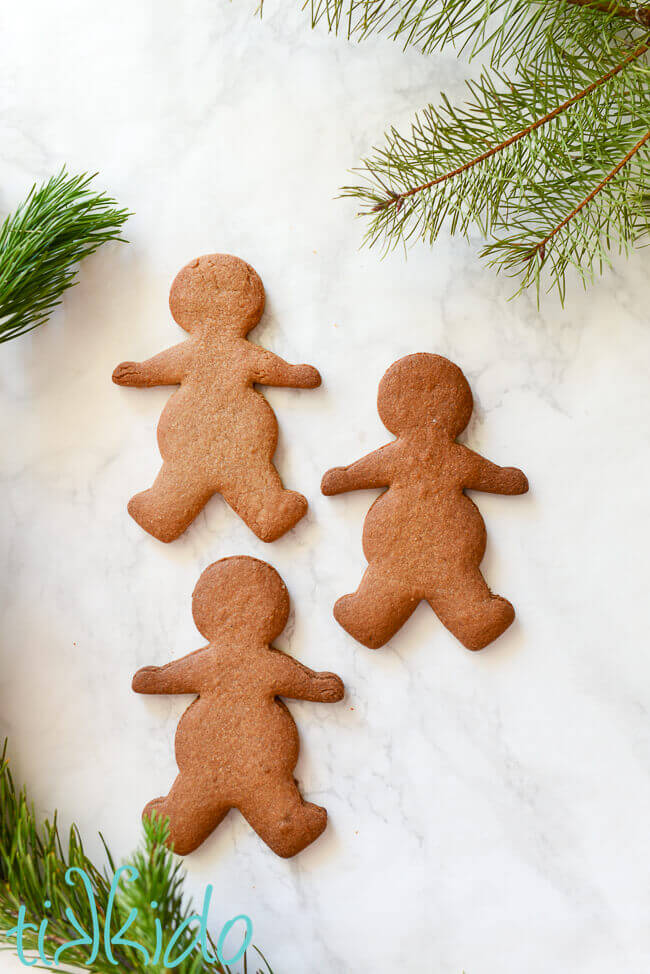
pixel 549 145
pixel 33 867
pixel 41 244
pixel 540 248
pixel 547 162
pixel 615 214
pixel 397 199
pixel 640 14
pixel 523 29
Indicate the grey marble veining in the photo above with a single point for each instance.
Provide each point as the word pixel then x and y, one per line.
pixel 488 812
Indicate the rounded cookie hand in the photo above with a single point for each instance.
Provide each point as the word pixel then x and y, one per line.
pixel 145 680
pixel 329 687
pixel 128 374
pixel 515 480
pixel 333 481
pixel 307 377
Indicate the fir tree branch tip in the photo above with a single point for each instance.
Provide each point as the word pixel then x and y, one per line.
pixel 41 243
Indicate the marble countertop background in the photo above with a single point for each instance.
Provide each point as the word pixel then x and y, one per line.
pixel 489 812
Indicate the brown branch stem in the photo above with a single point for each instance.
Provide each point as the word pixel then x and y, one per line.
pixel 639 14
pixel 540 248
pixel 399 198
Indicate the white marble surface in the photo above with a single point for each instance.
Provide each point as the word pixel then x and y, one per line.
pixel 487 812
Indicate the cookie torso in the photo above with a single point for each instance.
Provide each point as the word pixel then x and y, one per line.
pixel 217 418
pixel 424 519
pixel 237 729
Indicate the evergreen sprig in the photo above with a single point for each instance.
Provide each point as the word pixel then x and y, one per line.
pixel 33 866
pixel 548 159
pixel 506 29
pixel 42 242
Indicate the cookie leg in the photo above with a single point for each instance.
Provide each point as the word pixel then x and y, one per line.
pixel 377 609
pixel 264 505
pixel 282 819
pixel 192 816
pixel 471 612
pixel 169 506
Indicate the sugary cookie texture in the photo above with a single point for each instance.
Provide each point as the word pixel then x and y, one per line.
pixel 237 744
pixel 423 537
pixel 217 434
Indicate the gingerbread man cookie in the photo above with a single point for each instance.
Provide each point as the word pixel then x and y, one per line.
pixel 217 434
pixel 237 744
pixel 423 537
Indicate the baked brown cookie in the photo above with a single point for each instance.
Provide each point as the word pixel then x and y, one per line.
pixel 423 537
pixel 217 434
pixel 237 744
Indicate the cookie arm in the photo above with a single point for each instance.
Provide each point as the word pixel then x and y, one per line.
pixel 481 474
pixel 372 470
pixel 181 676
pixel 291 679
pixel 270 370
pixel 168 368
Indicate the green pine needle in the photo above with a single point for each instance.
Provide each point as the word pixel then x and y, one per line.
pixel 41 244
pixel 33 864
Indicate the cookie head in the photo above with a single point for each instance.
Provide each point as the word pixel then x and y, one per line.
pixel 424 390
pixel 219 291
pixel 240 598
